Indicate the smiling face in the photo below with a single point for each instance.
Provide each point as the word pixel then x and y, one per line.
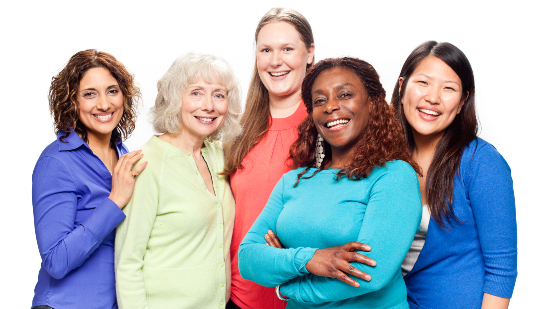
pixel 281 58
pixel 432 98
pixel 341 108
pixel 100 102
pixel 203 108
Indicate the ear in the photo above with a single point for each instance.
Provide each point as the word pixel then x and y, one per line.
pixel 462 102
pixel 310 53
pixel 400 84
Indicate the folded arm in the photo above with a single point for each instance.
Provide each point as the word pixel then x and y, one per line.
pixel 62 245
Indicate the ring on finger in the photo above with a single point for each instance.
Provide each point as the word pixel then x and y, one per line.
pixel 133 175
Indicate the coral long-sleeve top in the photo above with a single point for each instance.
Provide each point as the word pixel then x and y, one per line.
pixel 263 166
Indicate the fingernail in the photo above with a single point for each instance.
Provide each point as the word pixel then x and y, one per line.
pixel 367 277
pixel 368 248
pixel 145 162
pixel 356 284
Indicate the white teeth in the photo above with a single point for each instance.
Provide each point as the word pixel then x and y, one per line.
pixel 103 117
pixel 205 119
pixel 339 121
pixel 277 74
pixel 429 112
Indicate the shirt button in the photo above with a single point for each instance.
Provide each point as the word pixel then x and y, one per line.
pixel 221 246
pixel 223 284
pixel 211 169
pixel 222 303
pixel 215 186
pixel 222 264
pixel 218 205
pixel 221 225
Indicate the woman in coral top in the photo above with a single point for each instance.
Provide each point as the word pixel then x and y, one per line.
pixel 258 158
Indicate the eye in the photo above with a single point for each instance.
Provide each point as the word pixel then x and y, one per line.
pixel 346 95
pixel 449 88
pixel 318 101
pixel 113 91
pixel 264 50
pixel 422 82
pixel 219 96
pixel 195 93
pixel 287 49
pixel 89 94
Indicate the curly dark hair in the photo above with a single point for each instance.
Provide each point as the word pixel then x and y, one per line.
pixel 381 142
pixel 64 87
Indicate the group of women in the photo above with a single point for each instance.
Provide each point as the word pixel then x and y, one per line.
pixel 321 194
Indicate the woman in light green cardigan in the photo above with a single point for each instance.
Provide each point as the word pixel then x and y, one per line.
pixel 172 250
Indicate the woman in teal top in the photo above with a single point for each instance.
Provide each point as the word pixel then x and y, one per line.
pixel 355 182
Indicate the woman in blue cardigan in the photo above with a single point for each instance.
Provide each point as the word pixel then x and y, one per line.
pixel 82 181
pixel 353 182
pixel 465 254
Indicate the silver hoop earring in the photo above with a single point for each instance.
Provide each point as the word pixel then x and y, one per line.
pixel 319 151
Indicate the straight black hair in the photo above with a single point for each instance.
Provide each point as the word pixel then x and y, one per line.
pixel 463 129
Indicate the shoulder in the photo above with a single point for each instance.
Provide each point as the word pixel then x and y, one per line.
pixel 214 147
pixel 396 169
pixel 480 152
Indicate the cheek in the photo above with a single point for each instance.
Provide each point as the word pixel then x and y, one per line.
pixel 262 62
pixel 222 108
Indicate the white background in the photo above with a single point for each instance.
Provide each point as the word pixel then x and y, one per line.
pixel 506 43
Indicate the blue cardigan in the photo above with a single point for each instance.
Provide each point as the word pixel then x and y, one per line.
pixel 479 255
pixel 382 210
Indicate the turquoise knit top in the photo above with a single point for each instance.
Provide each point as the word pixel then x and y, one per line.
pixel 382 210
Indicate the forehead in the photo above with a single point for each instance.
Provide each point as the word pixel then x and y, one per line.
pixel 434 67
pixel 207 81
pixel 95 77
pixel 337 76
pixel 278 32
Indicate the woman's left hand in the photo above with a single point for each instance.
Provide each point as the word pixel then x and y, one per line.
pixel 333 262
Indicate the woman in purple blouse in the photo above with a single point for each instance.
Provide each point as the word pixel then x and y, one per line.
pixel 82 181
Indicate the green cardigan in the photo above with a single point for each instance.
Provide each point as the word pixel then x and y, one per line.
pixel 172 250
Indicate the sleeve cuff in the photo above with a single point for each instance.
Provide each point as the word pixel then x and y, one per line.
pixel 301 257
pixel 106 217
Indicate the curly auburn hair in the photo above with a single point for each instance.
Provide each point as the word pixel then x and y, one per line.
pixel 64 88
pixel 381 142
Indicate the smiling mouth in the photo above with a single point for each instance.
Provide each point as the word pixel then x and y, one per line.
pixel 336 124
pixel 103 117
pixel 278 74
pixel 205 119
pixel 429 112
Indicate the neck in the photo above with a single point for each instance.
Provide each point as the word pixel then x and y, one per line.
pixel 282 107
pixel 100 142
pixel 425 145
pixel 184 141
pixel 340 157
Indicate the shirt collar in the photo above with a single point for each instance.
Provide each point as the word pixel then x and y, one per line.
pixel 74 141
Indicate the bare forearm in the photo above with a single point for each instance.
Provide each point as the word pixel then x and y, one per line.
pixel 494 302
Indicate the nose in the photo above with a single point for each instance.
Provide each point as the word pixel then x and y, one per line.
pixel 276 59
pixel 331 106
pixel 207 104
pixel 102 102
pixel 433 95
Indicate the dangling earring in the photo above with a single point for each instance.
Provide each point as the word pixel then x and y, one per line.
pixel 319 151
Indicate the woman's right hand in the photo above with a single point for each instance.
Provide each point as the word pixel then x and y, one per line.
pixel 333 262
pixel 122 185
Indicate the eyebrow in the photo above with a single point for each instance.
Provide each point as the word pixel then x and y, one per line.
pixel 96 89
pixel 445 81
pixel 339 86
